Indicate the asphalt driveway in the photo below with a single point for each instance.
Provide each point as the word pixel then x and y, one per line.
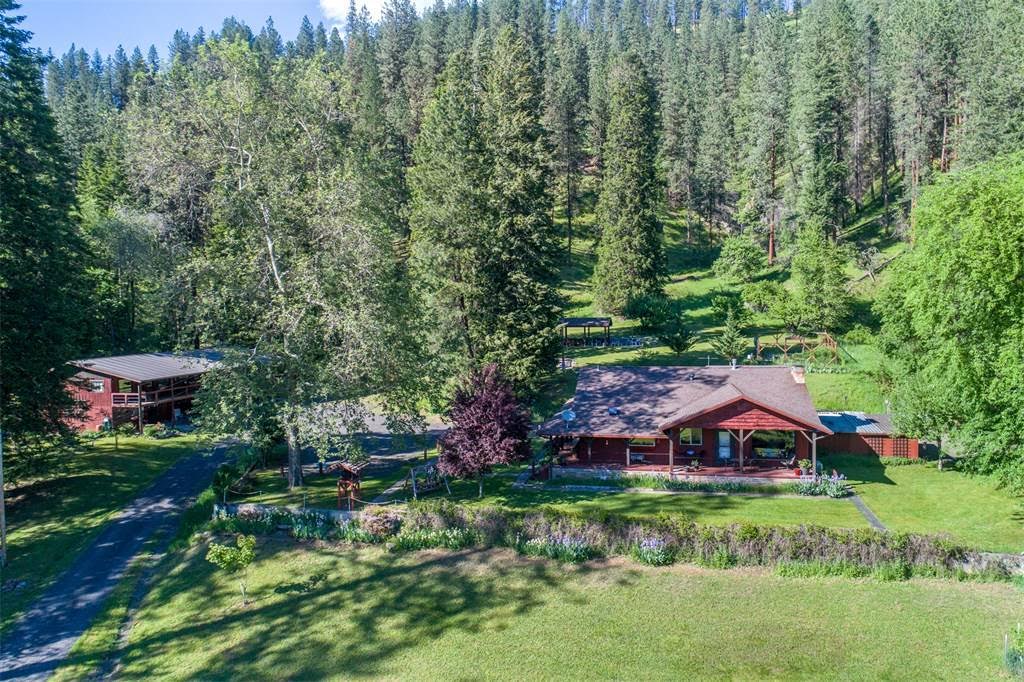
pixel 37 643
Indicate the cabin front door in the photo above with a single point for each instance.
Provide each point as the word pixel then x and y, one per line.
pixel 724 445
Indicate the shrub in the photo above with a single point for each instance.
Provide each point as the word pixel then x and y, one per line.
pixel 1014 654
pixel 720 558
pixel 653 552
pixel 422 538
pixel 892 571
pixel 253 521
pixel 652 311
pixel 382 522
pixel 352 531
pixel 832 486
pixel 740 259
pixel 819 569
pixel 567 548
pixel 762 296
pixel 311 526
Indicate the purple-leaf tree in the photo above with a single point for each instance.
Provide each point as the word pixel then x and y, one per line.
pixel 488 426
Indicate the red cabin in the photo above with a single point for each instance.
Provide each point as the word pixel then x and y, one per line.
pixel 146 388
pixel 672 419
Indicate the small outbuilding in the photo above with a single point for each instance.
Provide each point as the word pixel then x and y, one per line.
pixel 865 434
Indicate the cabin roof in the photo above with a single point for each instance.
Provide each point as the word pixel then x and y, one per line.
pixel 151 366
pixel 645 401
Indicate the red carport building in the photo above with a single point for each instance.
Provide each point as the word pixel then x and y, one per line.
pixel 669 419
pixel 145 388
pixel 858 433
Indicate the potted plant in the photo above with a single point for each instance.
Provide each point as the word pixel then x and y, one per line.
pixel 805 466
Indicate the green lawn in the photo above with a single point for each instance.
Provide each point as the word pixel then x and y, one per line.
pixel 714 509
pixel 50 521
pixel 345 613
pixel 270 487
pixel 920 498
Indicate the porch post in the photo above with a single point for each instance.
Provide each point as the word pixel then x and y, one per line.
pixel 139 394
pixel 627 454
pixel 590 442
pixel 814 453
pixel 742 439
pixel 671 452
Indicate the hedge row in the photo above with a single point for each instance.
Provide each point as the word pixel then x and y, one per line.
pixel 568 536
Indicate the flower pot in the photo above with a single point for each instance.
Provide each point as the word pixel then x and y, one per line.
pixel 796 472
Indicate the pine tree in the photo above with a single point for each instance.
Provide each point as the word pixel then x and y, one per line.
pixel 630 259
pixel 767 108
pixel 520 269
pixel 42 288
pixel 822 114
pixel 394 53
pixel 448 213
pixel 305 41
pixel 565 114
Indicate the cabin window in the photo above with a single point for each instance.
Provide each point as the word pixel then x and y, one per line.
pixel 773 443
pixel 641 442
pixel 96 385
pixel 691 437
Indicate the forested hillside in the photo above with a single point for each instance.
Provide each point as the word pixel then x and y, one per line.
pixel 372 209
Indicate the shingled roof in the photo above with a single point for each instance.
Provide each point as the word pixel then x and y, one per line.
pixel 615 401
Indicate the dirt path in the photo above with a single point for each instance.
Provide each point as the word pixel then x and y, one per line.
pixel 38 642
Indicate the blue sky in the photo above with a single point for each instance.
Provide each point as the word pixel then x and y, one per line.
pixel 104 24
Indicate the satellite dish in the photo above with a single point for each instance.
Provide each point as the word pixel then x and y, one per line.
pixel 568 416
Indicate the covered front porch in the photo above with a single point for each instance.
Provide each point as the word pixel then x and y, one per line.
pixel 573 468
pixel 734 439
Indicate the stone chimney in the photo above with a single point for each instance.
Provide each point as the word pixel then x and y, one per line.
pixel 798 374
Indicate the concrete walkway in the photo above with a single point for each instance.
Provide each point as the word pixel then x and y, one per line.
pixel 863 508
pixel 38 642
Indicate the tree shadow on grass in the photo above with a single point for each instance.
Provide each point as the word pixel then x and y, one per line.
pixel 369 609
pixel 858 468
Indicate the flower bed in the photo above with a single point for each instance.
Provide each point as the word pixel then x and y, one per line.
pixel 572 537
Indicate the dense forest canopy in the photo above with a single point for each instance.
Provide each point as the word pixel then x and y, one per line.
pixel 382 205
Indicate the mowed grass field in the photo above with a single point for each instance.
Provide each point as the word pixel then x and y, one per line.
pixel 919 498
pixel 51 520
pixel 344 613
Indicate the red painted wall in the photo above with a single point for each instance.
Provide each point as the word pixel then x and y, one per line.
pixel 882 446
pixel 97 405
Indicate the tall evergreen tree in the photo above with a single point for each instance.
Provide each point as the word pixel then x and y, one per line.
pixel 822 114
pixel 520 267
pixel 767 111
pixel 42 287
pixel 449 212
pixel 565 114
pixel 630 258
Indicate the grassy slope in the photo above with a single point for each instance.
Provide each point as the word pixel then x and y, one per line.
pixel 920 498
pixel 692 282
pixel 51 521
pixel 351 613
